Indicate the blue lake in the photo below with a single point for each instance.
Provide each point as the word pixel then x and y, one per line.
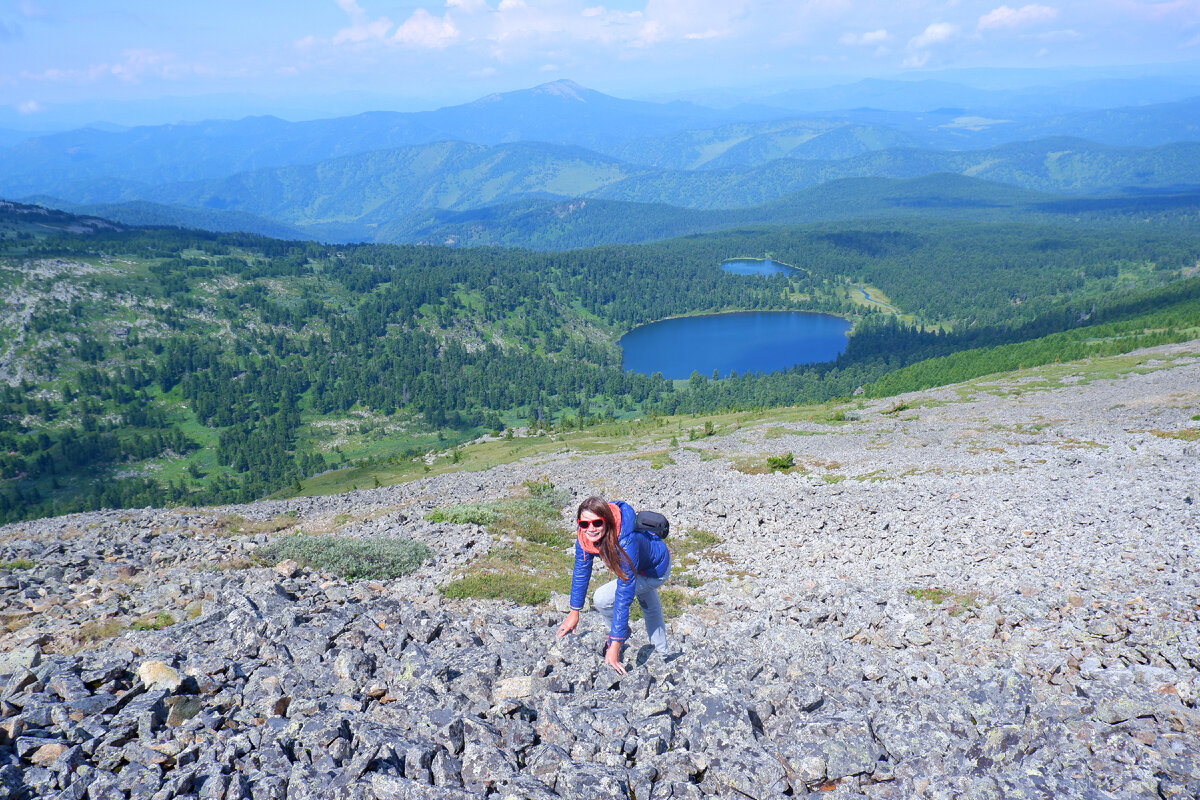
pixel 763 266
pixel 752 341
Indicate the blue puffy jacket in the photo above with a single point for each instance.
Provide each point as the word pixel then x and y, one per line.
pixel 649 557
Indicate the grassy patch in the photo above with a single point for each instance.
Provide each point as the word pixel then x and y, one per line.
pixel 1080 444
pixel 609 438
pixel 958 602
pixel 537 562
pixel 1186 434
pixel 764 466
pixel 379 558
pixel 534 518
pixel 675 602
pixel 658 459
pixel 839 416
pixel 12 621
pixel 234 525
pixel 92 632
pixel 153 623
pixel 467 514
pixel 20 563
pixel 523 572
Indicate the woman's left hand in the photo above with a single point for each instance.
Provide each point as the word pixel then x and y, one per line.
pixel 613 657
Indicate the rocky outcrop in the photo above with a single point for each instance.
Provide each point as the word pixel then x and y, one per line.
pixel 991 593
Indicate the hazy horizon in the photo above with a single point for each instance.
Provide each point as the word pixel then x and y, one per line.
pixel 66 63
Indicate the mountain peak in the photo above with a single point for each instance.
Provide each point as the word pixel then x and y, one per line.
pixel 563 88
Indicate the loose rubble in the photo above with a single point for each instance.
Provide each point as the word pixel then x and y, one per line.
pixel 990 594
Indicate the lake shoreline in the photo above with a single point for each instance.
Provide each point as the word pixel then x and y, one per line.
pixel 688 343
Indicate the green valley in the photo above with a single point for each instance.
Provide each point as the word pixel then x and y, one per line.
pixel 157 366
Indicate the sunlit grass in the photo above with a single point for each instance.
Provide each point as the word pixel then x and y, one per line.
pixel 651 438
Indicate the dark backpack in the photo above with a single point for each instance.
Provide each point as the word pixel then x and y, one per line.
pixel 652 522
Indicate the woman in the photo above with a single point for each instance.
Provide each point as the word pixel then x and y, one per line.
pixel 639 559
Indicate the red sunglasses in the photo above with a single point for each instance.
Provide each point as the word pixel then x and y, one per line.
pixel 584 524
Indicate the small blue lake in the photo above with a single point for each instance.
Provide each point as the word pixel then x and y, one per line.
pixel 756 266
pixel 752 341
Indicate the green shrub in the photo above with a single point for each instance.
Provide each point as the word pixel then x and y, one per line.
pixel 958 601
pixel 480 514
pixel 352 559
pixel 548 499
pixel 155 623
pixel 781 462
pixel 20 563
pixel 702 538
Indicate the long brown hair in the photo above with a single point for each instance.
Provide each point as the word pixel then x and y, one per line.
pixel 609 545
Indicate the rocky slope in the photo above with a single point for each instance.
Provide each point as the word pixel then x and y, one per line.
pixel 983 591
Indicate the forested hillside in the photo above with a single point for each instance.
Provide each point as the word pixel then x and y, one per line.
pixel 562 225
pixel 149 366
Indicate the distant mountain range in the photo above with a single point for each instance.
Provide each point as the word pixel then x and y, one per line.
pixel 405 176
pixel 563 225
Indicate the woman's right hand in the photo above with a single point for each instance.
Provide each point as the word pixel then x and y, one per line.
pixel 569 623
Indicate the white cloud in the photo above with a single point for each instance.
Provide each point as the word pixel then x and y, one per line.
pixel 530 30
pixel 135 65
pixel 424 30
pixel 936 33
pixel 139 62
pixel 361 28
pixel 866 39
pixel 1006 17
pixel 30 107
pixel 696 19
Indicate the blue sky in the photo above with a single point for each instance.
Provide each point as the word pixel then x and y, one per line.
pixel 114 54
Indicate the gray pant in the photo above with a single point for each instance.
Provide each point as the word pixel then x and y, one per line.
pixel 646 591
